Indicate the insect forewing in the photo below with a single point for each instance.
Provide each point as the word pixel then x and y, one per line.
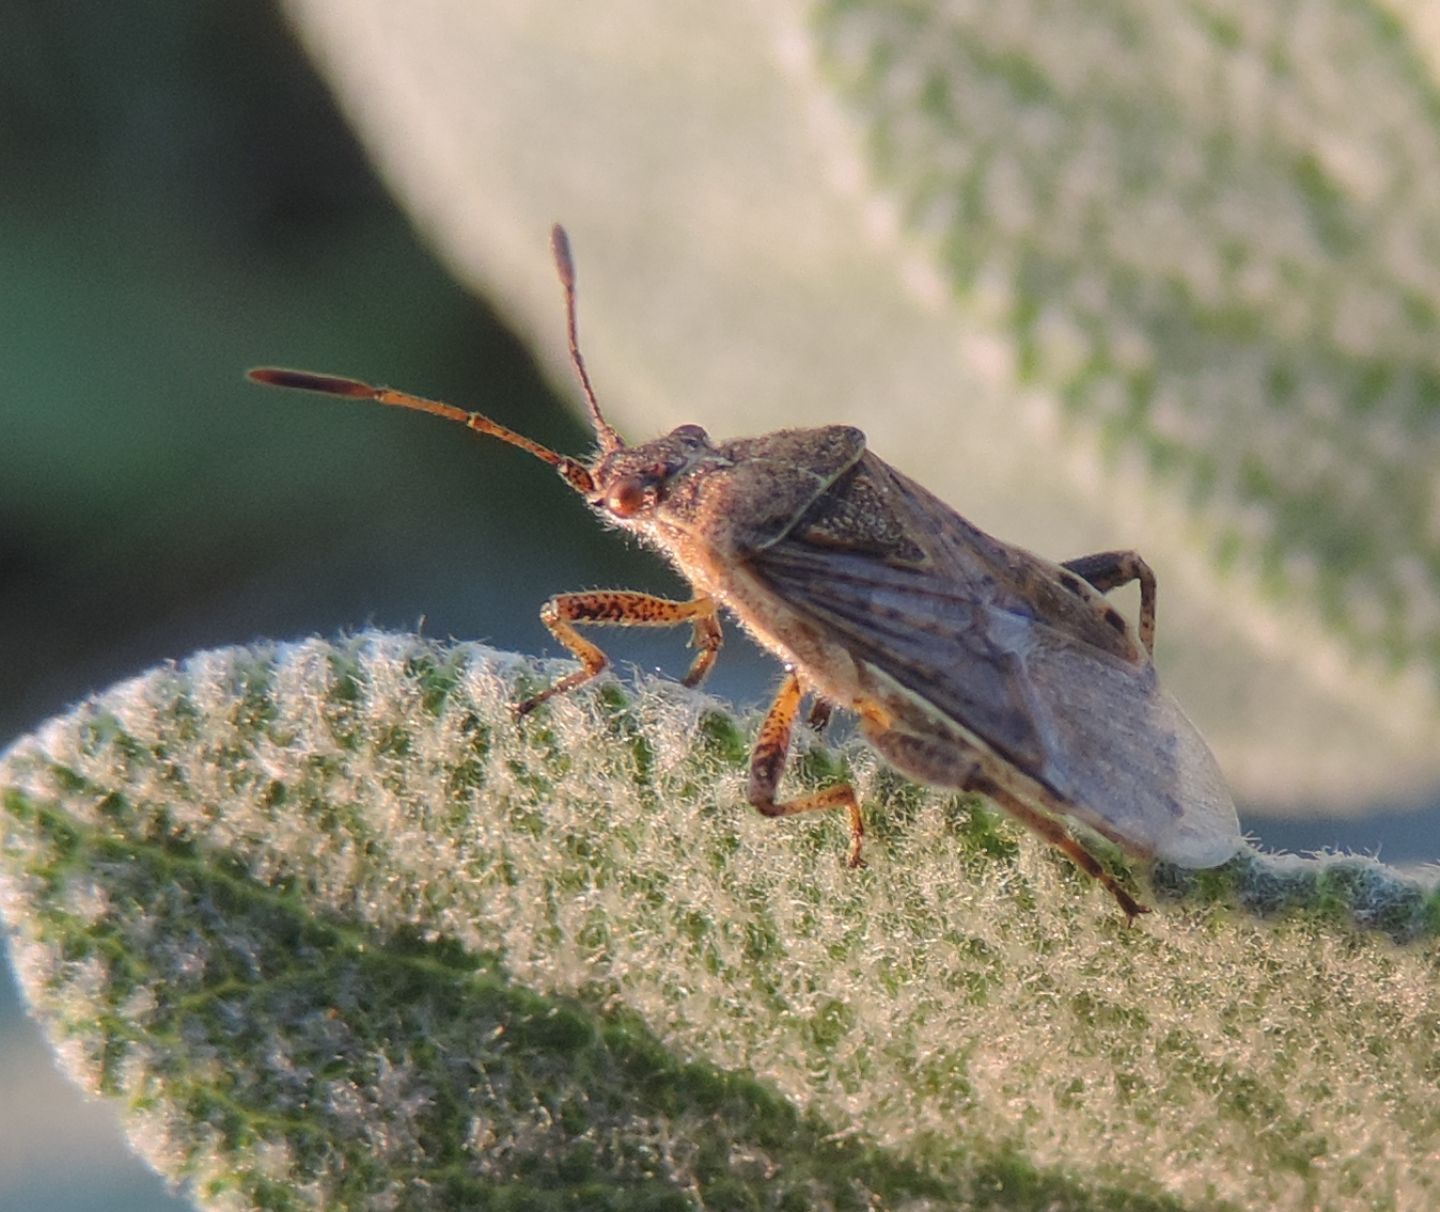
pixel 1124 756
pixel 982 636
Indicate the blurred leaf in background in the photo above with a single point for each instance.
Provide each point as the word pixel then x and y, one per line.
pixel 1151 275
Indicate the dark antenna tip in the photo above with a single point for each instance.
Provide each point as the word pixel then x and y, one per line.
pixel 565 267
pixel 304 380
pixel 564 262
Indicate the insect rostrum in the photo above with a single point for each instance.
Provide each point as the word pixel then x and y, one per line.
pixel 969 663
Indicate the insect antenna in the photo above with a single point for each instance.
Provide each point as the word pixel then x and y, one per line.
pixel 575 473
pixel 565 267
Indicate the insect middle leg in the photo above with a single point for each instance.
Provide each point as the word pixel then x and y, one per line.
pixel 623 608
pixel 1107 570
pixel 767 764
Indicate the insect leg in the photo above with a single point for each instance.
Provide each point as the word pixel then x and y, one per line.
pixel 820 712
pixel 622 608
pixel 1058 836
pixel 1107 570
pixel 706 640
pixel 767 763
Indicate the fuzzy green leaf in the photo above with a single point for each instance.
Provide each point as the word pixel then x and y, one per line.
pixel 335 929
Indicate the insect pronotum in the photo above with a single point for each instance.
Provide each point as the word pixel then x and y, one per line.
pixel 969 663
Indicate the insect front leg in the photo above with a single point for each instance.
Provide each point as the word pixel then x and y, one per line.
pixel 767 764
pixel 1107 570
pixel 623 608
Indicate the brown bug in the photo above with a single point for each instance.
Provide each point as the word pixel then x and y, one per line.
pixel 970 663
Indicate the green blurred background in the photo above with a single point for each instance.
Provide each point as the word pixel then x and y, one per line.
pixel 178 201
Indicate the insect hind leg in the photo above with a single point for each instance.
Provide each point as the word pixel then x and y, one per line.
pixel 952 762
pixel 1107 570
pixel 1058 836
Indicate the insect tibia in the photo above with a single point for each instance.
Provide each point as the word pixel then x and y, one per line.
pixel 1058 836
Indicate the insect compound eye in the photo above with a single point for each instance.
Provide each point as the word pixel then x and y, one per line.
pixel 691 435
pixel 625 497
